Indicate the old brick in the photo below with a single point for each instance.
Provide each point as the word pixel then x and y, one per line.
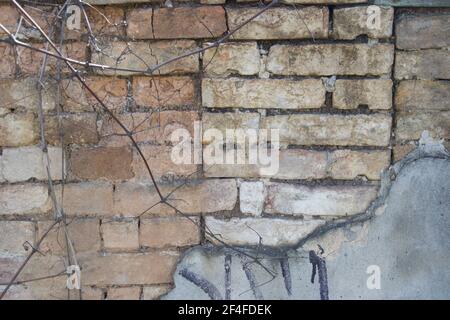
pixel 77 128
pixel 280 23
pixel 163 91
pixel 23 95
pixel 252 196
pixel 263 93
pixel 423 31
pixel 21 164
pixel 24 199
pixel 348 23
pixel 142 55
pixel 131 199
pixel 411 125
pixel 313 129
pixel 90 293
pixel 424 64
pixel 111 91
pixel 101 162
pixel 127 269
pixel 155 292
pixel 120 235
pixel 186 22
pixel 9 18
pixel 18 130
pixel 164 168
pixel 273 232
pixel 402 150
pixel 347 164
pixel 318 201
pixel 43 16
pixel 331 59
pixel 13 234
pixel 88 198
pixel 125 293
pixel 302 164
pixel 231 58
pixel 7 63
pixel 140 24
pixel 147 127
pixel 374 93
pixel 113 25
pixel 84 234
pixel 422 95
pixel 169 232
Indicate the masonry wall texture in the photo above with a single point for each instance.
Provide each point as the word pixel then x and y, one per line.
pixel 337 135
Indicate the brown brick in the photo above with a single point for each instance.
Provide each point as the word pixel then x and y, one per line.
pixel 78 129
pixel 185 22
pixel 88 198
pixel 125 293
pixel 101 162
pixel 114 26
pixel 18 130
pixel 331 59
pixel 169 232
pixel 422 95
pixel 111 91
pixel 9 17
pixel 263 93
pixel 374 93
pixel 279 23
pixel 147 127
pixel 84 234
pixel 7 63
pixel 313 129
pixel 13 235
pixel 423 64
pixel 411 125
pixel 127 269
pixel 163 167
pixel 24 199
pixel 142 55
pixel 159 92
pixel 120 235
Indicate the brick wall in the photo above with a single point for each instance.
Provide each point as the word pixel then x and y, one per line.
pixel 276 72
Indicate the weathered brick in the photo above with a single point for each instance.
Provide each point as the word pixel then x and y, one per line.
pixel 84 234
pixel 131 199
pixel 107 21
pixel 78 128
pixel 422 95
pixel 302 164
pixel 126 293
pixel 43 16
pixel 274 232
pixel 263 93
pixel 18 130
pixel 7 62
pixel 21 164
pixel 141 55
pixel 314 129
pixel 155 292
pixel 186 22
pixel 101 162
pixel 13 235
pixel 423 64
pixel 349 23
pixel 374 93
pixel 111 91
pixel 24 199
pixel 331 59
pixel 169 232
pixel 402 150
pixel 232 58
pixel 89 293
pixel 127 269
pixel 423 31
pixel 229 120
pixel 88 198
pixel 160 92
pixel 318 201
pixel 120 235
pixel 23 95
pixel 411 125
pixel 140 24
pixel 147 127
pixel 252 196
pixel 347 164
pixel 163 167
pixel 279 23
pixel 9 17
